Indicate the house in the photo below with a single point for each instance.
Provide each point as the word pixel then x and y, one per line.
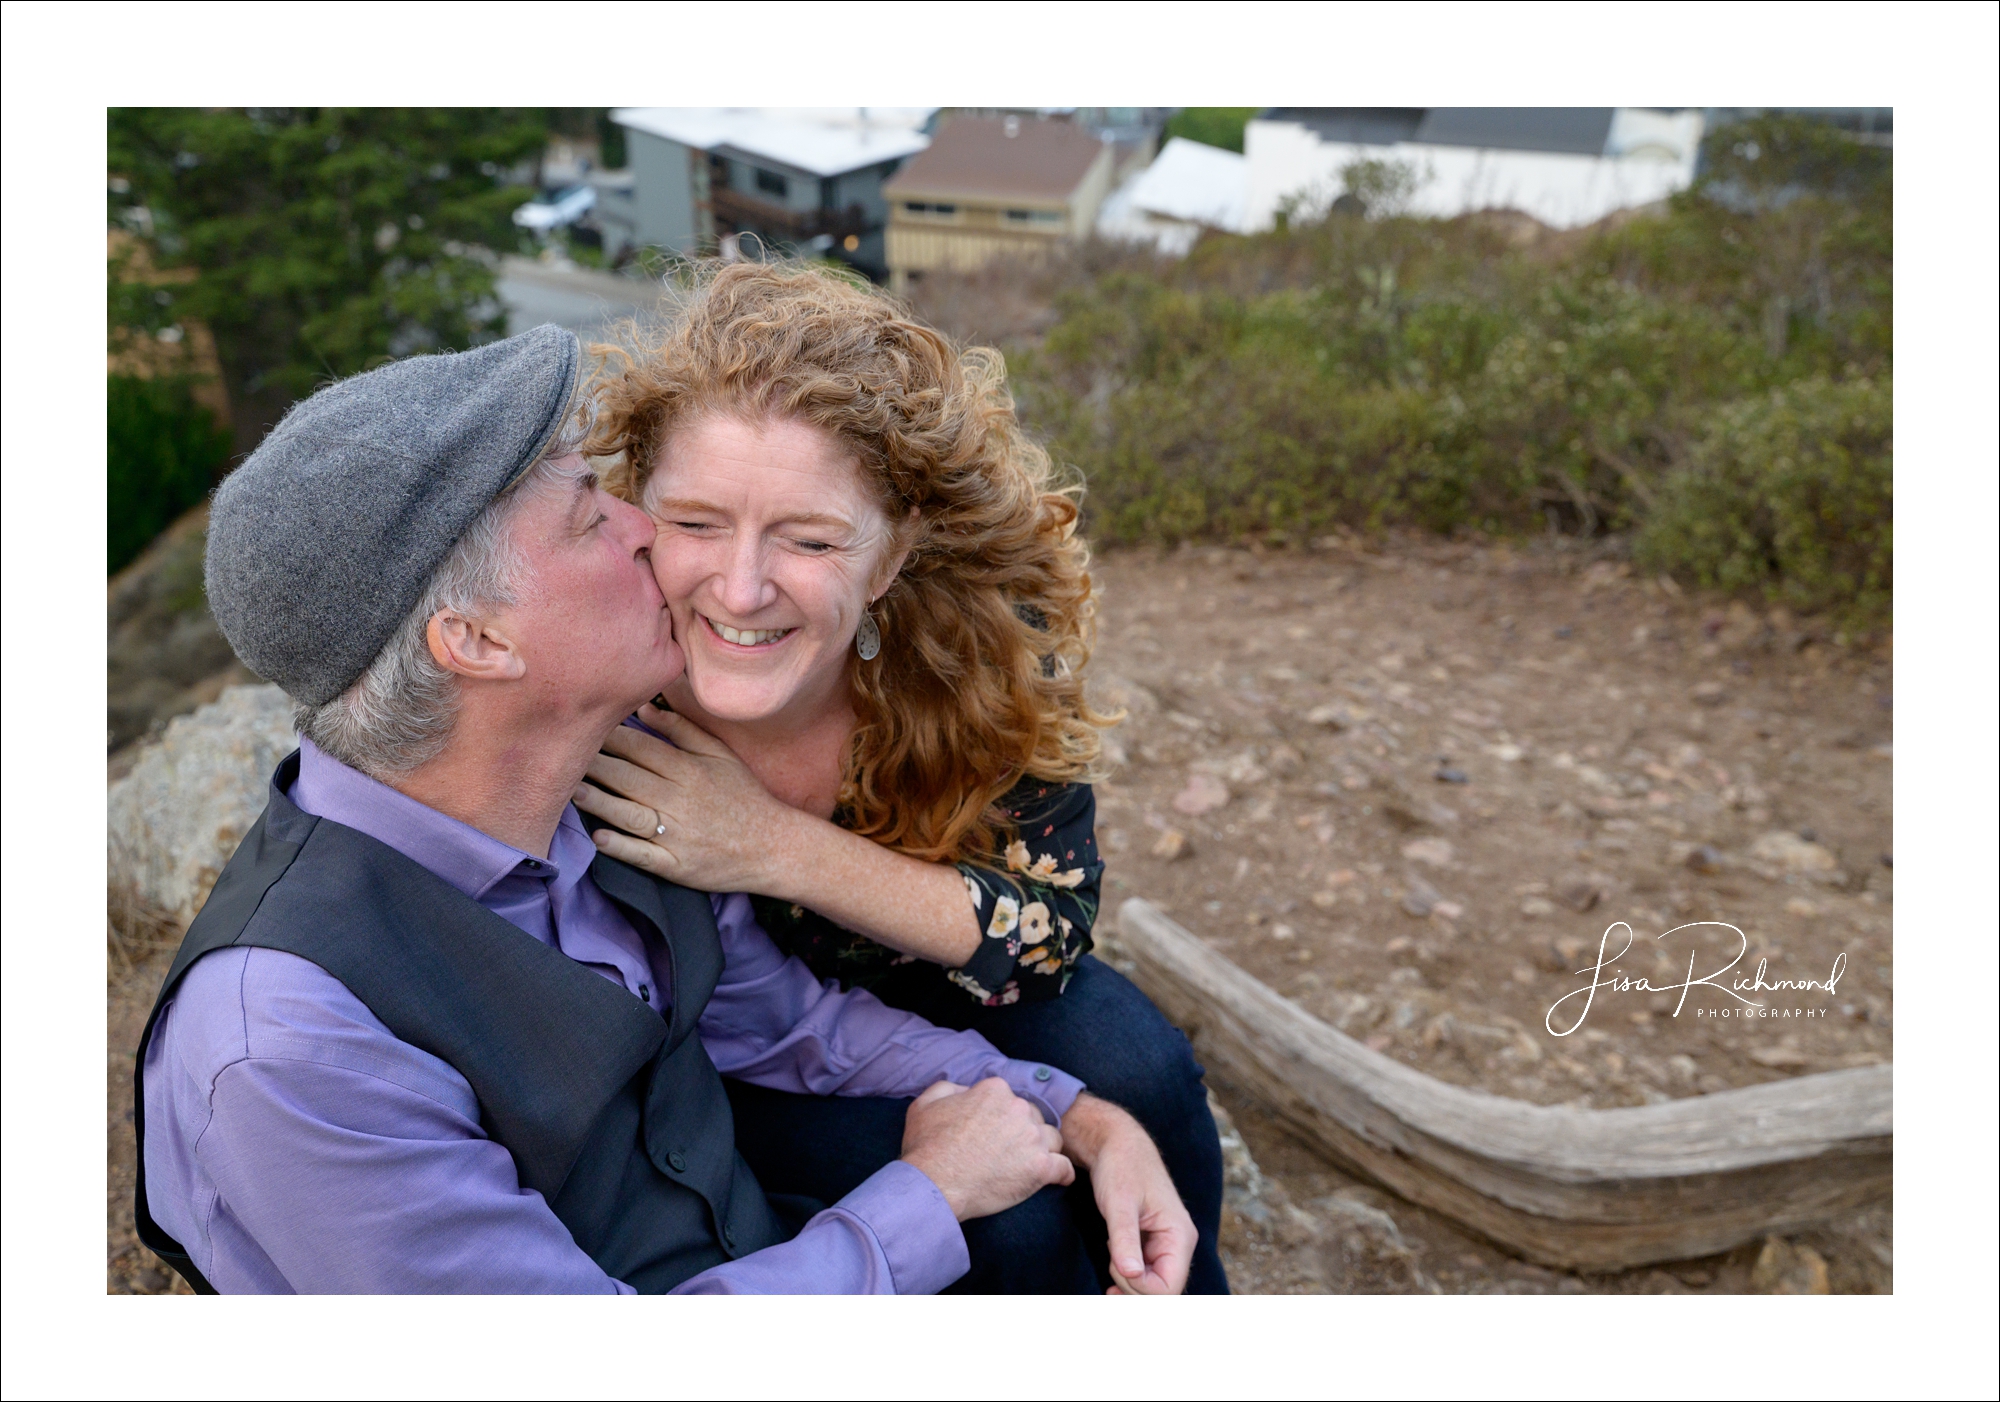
pixel 987 186
pixel 796 180
pixel 1188 189
pixel 1566 166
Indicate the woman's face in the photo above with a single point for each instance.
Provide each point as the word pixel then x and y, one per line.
pixel 769 551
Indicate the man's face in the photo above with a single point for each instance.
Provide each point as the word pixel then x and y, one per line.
pixel 591 623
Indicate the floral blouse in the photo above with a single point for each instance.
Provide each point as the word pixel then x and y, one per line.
pixel 1035 904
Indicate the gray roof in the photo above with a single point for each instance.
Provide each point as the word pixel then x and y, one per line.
pixel 1576 130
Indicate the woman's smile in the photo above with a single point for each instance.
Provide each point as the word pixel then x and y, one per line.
pixel 746 639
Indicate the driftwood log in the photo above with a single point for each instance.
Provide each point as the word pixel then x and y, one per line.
pixel 1577 1189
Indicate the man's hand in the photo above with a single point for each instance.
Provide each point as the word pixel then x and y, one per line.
pixel 985 1147
pixel 1152 1237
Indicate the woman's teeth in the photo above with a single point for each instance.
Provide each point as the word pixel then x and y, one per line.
pixel 746 637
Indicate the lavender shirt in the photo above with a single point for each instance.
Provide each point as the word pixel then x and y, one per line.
pixel 293 1144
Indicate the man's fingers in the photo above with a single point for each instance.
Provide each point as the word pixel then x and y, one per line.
pixel 1062 1172
pixel 1127 1257
pixel 1169 1253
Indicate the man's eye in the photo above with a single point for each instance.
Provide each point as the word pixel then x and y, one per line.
pixel 691 525
pixel 813 547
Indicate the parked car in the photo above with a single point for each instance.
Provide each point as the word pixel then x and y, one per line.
pixel 565 208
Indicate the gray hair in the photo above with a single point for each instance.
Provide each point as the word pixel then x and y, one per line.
pixel 401 713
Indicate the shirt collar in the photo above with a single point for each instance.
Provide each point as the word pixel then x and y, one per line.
pixel 457 853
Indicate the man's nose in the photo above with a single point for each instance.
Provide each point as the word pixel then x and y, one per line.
pixel 631 527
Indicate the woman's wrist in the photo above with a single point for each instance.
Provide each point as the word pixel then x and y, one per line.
pixel 796 849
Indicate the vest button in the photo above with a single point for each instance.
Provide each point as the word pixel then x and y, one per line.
pixel 1041 1073
pixel 677 1161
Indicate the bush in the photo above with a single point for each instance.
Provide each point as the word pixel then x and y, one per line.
pixel 1212 126
pixel 1369 371
pixel 164 453
pixel 1788 495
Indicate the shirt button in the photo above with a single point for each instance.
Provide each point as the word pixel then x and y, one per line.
pixel 645 994
pixel 677 1161
pixel 1041 1073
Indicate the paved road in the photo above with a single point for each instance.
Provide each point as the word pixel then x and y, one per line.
pixel 584 300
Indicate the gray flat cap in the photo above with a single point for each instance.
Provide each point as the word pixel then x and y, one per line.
pixel 322 541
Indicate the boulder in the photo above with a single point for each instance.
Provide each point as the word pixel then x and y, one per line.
pixel 178 814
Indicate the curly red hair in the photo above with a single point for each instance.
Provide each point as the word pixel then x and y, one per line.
pixel 989 624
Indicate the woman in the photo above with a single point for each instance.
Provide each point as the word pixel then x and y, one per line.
pixel 881 732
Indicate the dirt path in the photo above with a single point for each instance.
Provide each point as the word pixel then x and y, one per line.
pixel 1610 752
pixel 1410 788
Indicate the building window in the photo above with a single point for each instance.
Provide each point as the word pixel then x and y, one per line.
pixel 1035 218
pixel 772 183
pixel 930 210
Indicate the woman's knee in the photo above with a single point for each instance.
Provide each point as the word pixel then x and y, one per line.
pixel 1132 1055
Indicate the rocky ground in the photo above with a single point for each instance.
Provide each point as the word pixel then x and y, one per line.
pixel 1409 785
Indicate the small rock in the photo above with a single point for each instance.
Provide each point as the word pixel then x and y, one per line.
pixel 1432 851
pixel 1704 859
pixel 1787 852
pixel 1506 754
pixel 1420 898
pixel 1204 794
pixel 1565 631
pixel 1451 776
pixel 1799 906
pixel 1809 834
pixel 1284 761
pixel 1709 693
pixel 1537 907
pixel 1334 718
pixel 1282 932
pixel 1172 846
pixel 1780 1057
pixel 1787 1268
pixel 1448 910
pixel 1580 893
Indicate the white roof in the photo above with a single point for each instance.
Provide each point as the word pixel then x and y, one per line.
pixel 1195 183
pixel 821 141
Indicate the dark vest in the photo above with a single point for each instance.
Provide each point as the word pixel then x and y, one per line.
pixel 615 1115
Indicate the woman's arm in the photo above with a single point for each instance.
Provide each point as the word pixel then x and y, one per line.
pixel 725 832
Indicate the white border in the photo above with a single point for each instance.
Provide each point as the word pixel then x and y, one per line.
pixel 64 63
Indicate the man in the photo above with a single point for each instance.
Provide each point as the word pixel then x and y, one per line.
pixel 423 1037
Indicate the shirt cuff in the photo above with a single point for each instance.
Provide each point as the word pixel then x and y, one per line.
pixel 1054 1091
pixel 914 1225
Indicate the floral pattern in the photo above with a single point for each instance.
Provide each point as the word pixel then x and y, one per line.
pixel 1036 903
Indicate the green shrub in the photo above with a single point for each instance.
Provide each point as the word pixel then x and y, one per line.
pixel 1789 495
pixel 1212 126
pixel 164 453
pixel 1392 370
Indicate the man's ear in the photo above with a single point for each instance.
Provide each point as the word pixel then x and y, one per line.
pixel 476 648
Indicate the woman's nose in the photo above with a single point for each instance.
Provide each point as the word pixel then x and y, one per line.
pixel 745 587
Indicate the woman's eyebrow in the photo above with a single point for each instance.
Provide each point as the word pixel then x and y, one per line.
pixel 668 505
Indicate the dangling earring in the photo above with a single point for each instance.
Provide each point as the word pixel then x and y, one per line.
pixel 868 638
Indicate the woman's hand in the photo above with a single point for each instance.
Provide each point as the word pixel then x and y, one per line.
pixel 724 831
pixel 722 828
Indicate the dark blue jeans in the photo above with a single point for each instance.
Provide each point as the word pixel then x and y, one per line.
pixel 1103 1031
